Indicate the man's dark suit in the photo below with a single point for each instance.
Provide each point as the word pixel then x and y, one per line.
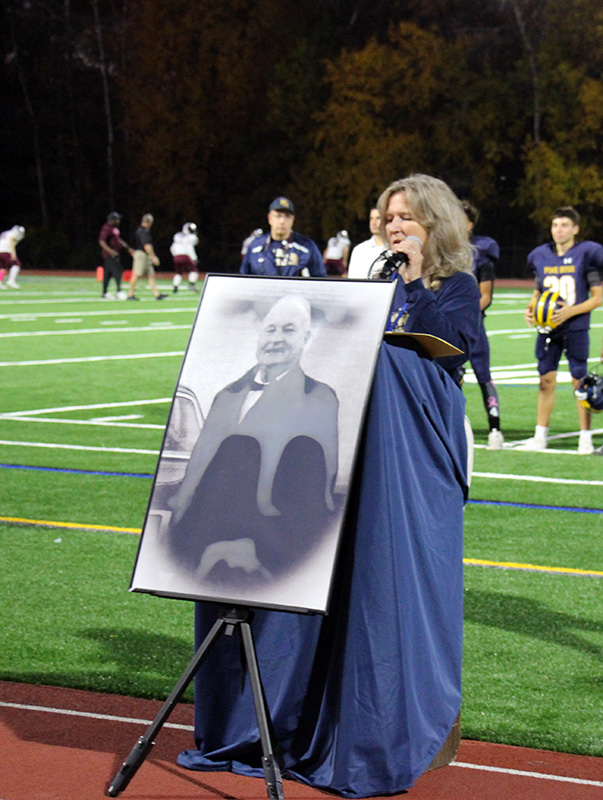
pixel 268 477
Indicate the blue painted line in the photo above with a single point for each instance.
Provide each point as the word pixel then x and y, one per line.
pixel 146 475
pixel 536 507
pixel 79 471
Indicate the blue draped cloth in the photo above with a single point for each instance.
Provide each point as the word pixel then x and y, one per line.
pixel 363 699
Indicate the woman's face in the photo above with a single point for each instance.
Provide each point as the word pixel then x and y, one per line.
pixel 400 222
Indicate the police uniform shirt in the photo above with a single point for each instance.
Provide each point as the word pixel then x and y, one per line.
pixel 291 257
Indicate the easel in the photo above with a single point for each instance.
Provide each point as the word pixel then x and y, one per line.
pixel 227 622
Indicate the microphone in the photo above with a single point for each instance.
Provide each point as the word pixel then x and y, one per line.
pixel 388 262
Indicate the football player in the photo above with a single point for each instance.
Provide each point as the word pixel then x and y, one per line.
pixel 573 270
pixel 185 256
pixel 485 257
pixel 9 261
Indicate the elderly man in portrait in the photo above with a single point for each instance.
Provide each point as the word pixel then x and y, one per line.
pixel 257 495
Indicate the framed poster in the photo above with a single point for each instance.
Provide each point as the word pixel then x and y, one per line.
pixel 253 477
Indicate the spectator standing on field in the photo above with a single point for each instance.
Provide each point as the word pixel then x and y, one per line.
pixel 283 251
pixel 365 253
pixel 337 253
pixel 486 254
pixel 185 256
pixel 8 255
pixel 145 258
pixel 111 243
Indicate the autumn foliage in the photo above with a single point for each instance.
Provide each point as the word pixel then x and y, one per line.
pixel 205 111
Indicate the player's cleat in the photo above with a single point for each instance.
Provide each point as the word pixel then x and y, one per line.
pixel 13 284
pixel 495 440
pixel 585 449
pixel 533 443
pixel 192 287
pixel 175 290
pixel 2 285
pixel 131 297
pixel 598 451
pixel 161 296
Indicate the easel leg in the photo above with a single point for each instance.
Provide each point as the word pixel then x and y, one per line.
pixel 145 743
pixel 230 620
pixel 272 772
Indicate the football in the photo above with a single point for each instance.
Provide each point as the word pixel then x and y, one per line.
pixel 543 310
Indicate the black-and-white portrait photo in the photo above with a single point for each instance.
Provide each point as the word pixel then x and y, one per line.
pixel 252 481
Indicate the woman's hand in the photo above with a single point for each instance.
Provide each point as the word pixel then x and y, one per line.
pixel 412 248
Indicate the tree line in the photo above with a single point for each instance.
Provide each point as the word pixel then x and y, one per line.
pixel 205 111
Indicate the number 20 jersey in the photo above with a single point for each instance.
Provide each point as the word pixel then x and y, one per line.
pixel 571 275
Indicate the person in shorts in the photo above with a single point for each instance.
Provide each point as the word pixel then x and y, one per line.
pixel 145 259
pixel 573 270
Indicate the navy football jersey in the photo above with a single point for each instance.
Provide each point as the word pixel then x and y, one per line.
pixel 571 275
pixel 485 256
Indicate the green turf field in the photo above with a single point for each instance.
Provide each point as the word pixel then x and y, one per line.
pixel 86 388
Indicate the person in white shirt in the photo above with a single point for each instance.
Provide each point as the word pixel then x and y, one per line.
pixel 185 256
pixel 8 255
pixel 365 253
pixel 336 254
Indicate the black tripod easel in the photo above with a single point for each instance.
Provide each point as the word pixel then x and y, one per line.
pixel 227 622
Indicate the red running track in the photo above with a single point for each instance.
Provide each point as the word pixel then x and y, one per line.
pixel 65 744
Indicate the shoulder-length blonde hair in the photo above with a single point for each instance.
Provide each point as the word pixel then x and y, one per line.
pixel 438 209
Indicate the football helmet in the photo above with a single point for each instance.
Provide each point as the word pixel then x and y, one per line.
pixel 543 310
pixel 590 391
pixel 189 227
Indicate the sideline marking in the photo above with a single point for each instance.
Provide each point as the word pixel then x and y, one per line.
pixel 479 562
pixel 536 479
pixel 104 312
pixel 533 506
pixel 52 446
pixel 91 715
pixel 94 422
pixel 24 334
pixel 120 404
pixel 177 726
pixel 69 471
pixel 468 561
pixel 80 526
pixel 525 774
pixel 89 359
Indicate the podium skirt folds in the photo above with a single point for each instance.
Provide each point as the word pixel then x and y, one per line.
pixel 363 699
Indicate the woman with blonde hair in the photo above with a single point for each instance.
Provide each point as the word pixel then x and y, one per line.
pixel 423 224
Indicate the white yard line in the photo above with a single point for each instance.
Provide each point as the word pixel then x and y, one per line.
pixel 112 422
pixel 85 360
pixel 120 404
pixel 102 312
pixel 55 446
pixel 505 476
pixel 82 331
pixel 92 422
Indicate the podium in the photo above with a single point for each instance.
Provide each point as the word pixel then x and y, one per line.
pixel 365 699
